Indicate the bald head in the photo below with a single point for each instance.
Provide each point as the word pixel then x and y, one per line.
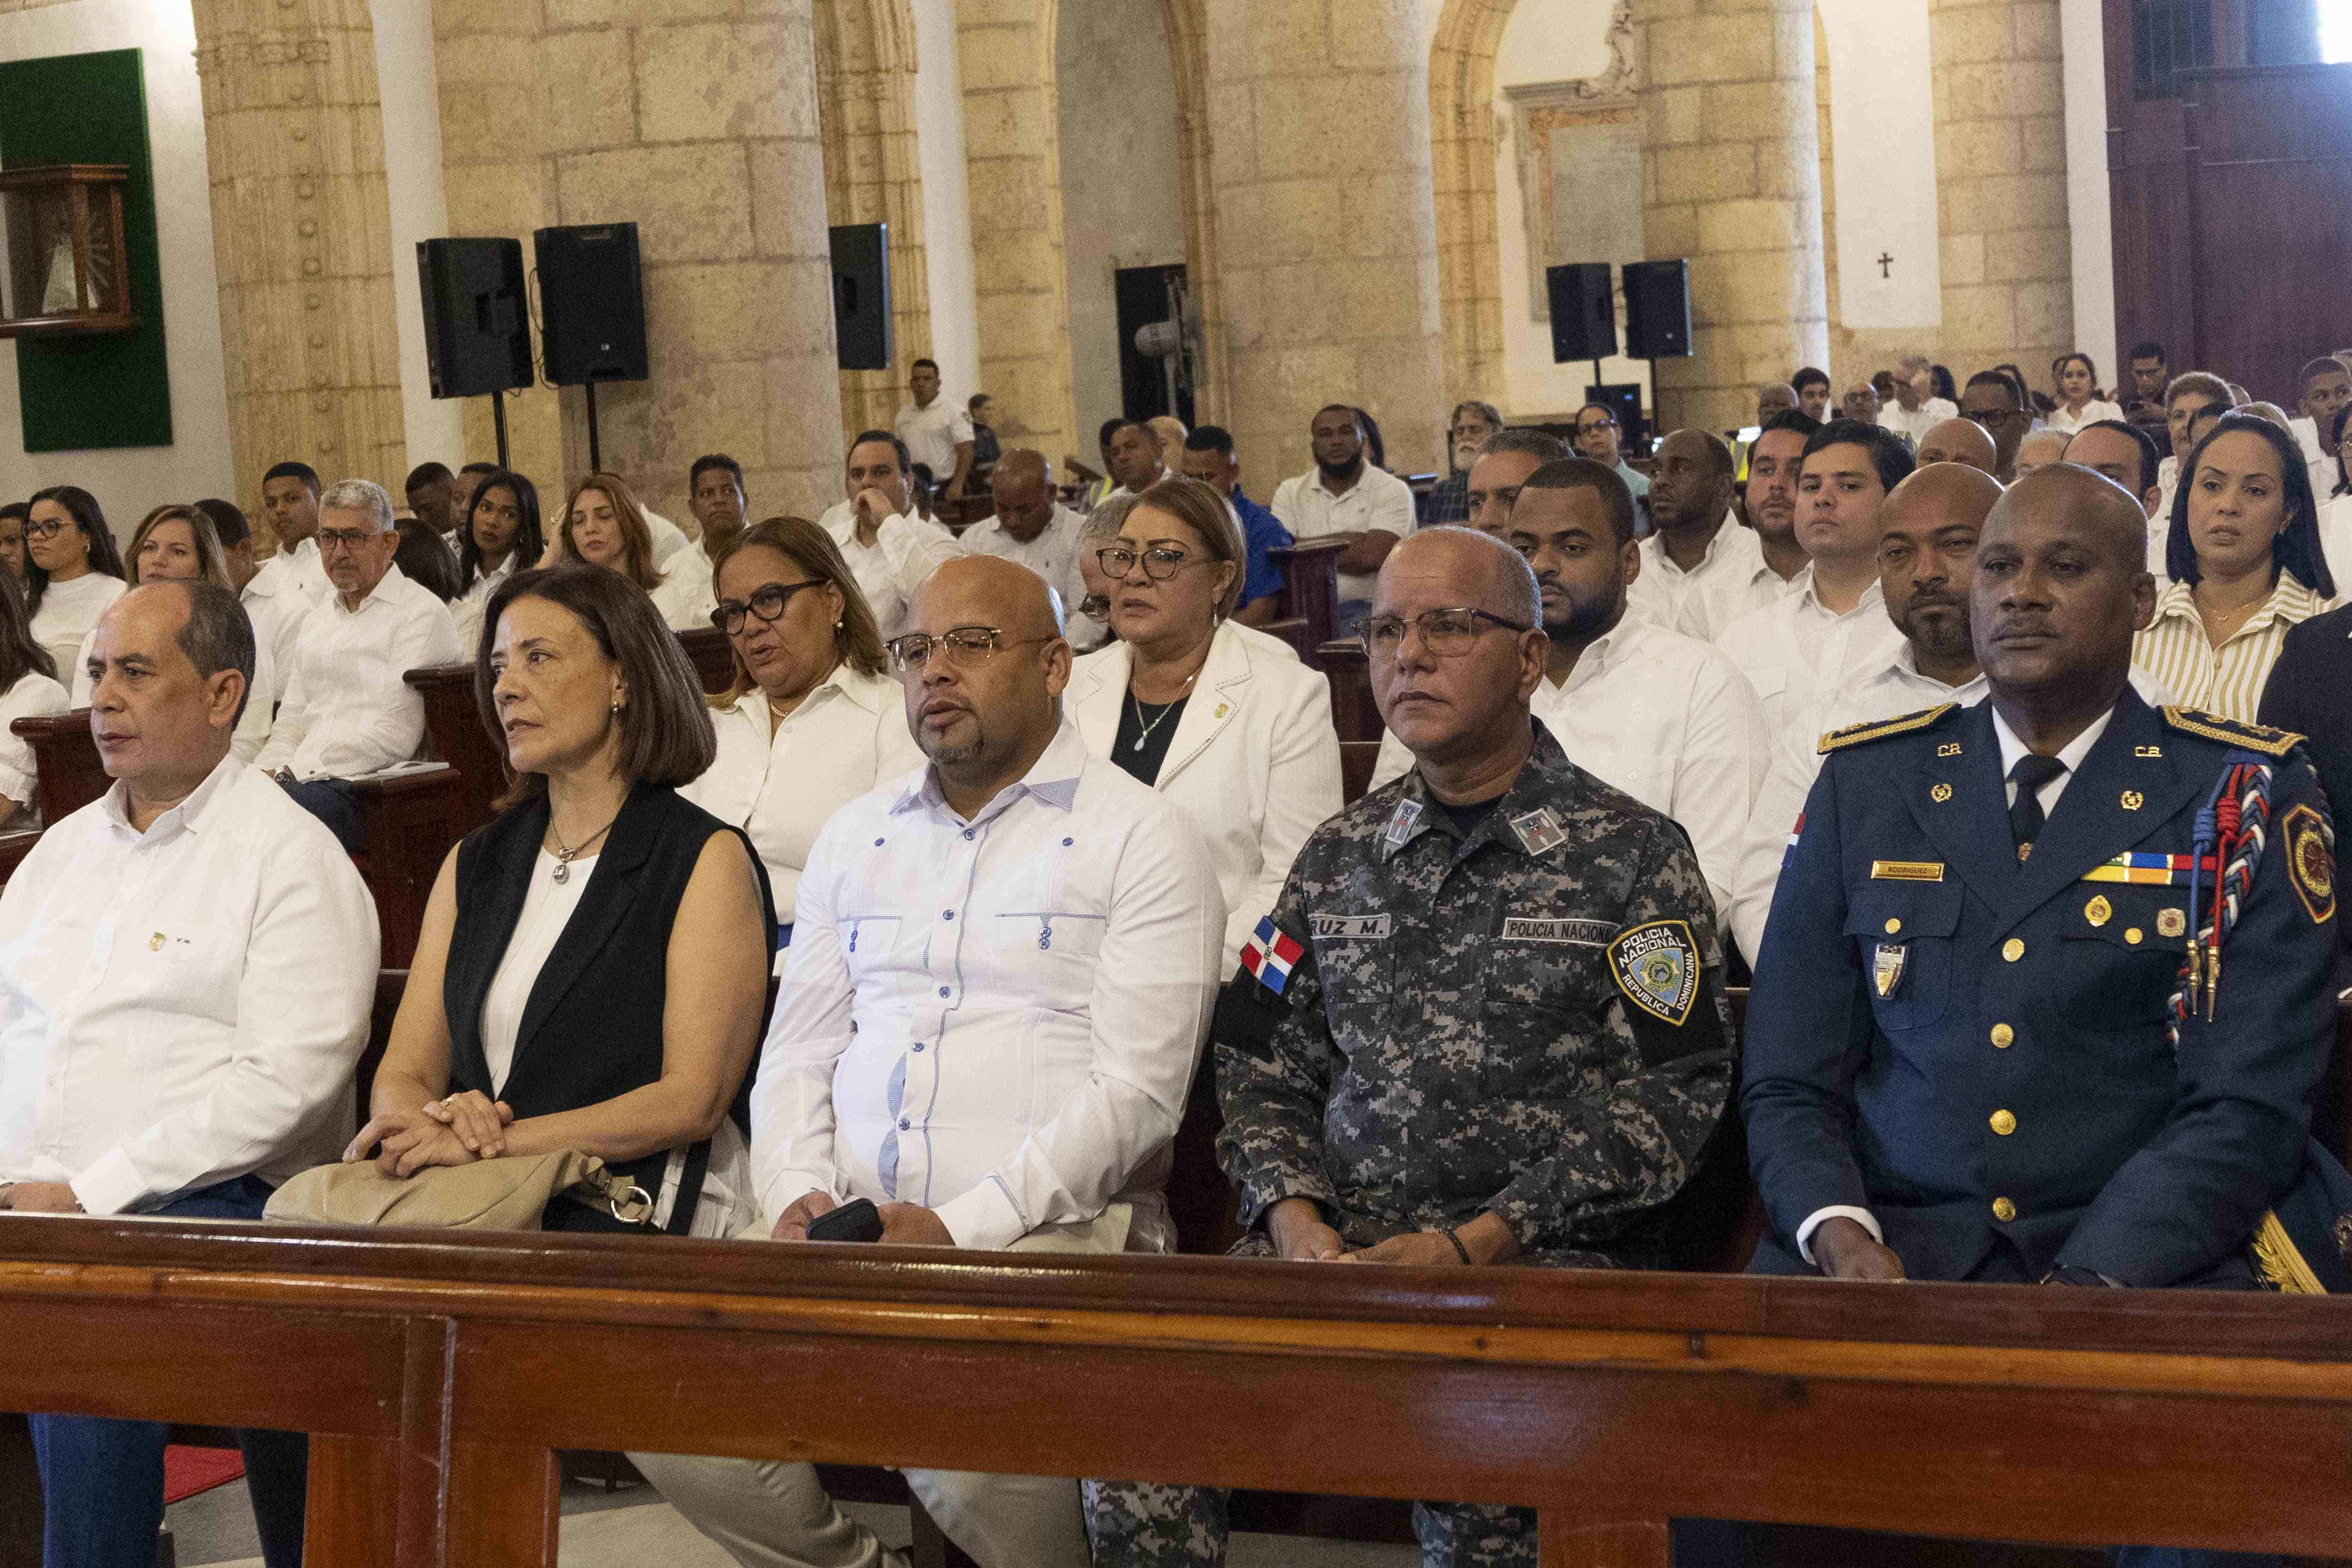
pixel 2061 587
pixel 1489 573
pixel 983 714
pixel 1022 486
pixel 1024 465
pixel 1776 398
pixel 1959 441
pixel 1943 489
pixel 984 591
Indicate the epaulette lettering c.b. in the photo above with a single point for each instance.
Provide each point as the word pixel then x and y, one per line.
pixel 2259 738
pixel 1881 729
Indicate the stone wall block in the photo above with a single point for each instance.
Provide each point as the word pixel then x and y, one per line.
pixel 689 203
pixel 712 81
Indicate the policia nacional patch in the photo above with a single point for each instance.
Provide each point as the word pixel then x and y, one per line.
pixel 2311 864
pixel 1656 966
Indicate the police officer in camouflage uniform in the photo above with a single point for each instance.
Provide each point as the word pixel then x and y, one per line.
pixel 1484 1025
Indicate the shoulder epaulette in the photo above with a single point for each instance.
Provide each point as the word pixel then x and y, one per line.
pixel 2260 738
pixel 1880 729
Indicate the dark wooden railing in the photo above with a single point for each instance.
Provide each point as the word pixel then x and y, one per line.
pixel 440 1372
pixel 1309 605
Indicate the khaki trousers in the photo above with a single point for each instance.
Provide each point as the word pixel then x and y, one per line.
pixel 772 1513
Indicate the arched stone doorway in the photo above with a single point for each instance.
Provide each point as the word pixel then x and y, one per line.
pixel 1730 181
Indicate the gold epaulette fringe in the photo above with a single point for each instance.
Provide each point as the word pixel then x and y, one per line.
pixel 1880 729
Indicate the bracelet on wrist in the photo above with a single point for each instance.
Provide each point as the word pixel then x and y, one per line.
pixel 1454 1236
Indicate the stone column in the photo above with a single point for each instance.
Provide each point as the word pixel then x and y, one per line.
pixel 302 235
pixel 866 105
pixel 497 179
pixel 702 127
pixel 1326 225
pixel 1012 117
pixel 2001 177
pixel 1731 180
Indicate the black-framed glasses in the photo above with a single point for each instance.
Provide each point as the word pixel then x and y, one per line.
pixel 1444 632
pixel 964 648
pixel 341 539
pixel 1596 426
pixel 48 528
pixel 767 602
pixel 1160 561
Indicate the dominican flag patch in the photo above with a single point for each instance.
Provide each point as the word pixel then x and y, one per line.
pixel 1270 953
pixel 1795 834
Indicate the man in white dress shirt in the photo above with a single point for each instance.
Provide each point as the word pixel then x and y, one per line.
pixel 1701 570
pixel 1774 460
pixel 714 488
pixel 889 549
pixel 1915 409
pixel 347 711
pixel 937 431
pixel 1926 565
pixel 2326 388
pixel 1664 717
pixel 275 607
pixel 1833 621
pixel 1344 496
pixel 290 496
pixel 1995 400
pixel 186 971
pixel 1002 972
pixel 1035 530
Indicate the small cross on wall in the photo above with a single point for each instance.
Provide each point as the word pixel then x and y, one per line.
pixel 1885 265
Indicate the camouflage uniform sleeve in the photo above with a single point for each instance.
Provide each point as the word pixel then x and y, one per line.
pixel 1639 1142
pixel 1275 1061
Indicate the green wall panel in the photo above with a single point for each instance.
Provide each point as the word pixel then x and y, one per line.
pixel 110 389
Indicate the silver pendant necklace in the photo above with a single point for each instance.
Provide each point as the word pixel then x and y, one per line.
pixel 566 853
pixel 1164 711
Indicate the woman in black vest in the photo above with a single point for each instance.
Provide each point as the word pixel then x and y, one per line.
pixel 537 1015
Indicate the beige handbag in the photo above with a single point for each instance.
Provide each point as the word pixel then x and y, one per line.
pixel 507 1194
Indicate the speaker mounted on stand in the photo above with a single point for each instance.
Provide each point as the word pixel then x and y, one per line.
pixel 591 310
pixel 476 322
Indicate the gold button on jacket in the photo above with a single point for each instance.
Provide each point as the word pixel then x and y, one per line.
pixel 2003 1122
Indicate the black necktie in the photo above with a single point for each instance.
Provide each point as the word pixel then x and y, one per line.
pixel 2025 812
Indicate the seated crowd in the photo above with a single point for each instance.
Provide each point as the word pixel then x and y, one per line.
pixel 1941 715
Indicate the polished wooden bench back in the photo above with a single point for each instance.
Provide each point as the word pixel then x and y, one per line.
pixel 437 1373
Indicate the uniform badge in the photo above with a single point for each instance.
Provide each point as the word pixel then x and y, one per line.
pixel 2311 864
pixel 2171 922
pixel 1401 823
pixel 2099 912
pixel 1539 830
pixel 1349 928
pixel 1795 832
pixel 1940 794
pixel 2134 800
pixel 1886 963
pixel 1270 955
pixel 1948 749
pixel 1656 966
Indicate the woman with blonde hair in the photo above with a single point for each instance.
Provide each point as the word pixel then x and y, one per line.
pixel 605 525
pixel 1223 720
pixel 179 543
pixel 813 720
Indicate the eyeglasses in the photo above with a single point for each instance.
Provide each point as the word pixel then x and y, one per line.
pixel 1598 425
pixel 1464 432
pixel 1160 561
pixel 965 647
pixel 1445 632
pixel 768 601
pixel 49 529
pixel 341 539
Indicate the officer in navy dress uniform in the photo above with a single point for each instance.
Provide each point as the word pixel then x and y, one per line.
pixel 1981 1046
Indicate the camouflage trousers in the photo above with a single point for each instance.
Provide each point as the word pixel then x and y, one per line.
pixel 1140 1524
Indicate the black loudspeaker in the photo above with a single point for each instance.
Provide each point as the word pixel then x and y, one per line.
pixel 861 295
pixel 592 303
pixel 1657 310
pixel 1583 314
pixel 477 331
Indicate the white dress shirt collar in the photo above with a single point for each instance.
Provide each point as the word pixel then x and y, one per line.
pixel 1053 778
pixel 2071 755
pixel 1730 544
pixel 189 815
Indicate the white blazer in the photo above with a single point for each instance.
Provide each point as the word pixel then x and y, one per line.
pixel 1255 761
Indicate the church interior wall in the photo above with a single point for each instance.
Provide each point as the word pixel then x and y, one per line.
pixel 2090 219
pixel 1547 43
pixel 1121 183
pixel 412 171
pixel 947 204
pixel 126 480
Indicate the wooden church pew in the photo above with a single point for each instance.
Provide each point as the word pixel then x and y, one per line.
pixel 1309 604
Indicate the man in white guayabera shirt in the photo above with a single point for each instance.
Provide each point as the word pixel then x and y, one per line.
pixel 1002 971
pixel 185 970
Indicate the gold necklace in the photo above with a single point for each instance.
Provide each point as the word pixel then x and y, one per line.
pixel 566 853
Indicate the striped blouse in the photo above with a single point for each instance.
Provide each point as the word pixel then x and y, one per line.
pixel 2229 680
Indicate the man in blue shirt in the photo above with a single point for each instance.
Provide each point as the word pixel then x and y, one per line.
pixel 1208 456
